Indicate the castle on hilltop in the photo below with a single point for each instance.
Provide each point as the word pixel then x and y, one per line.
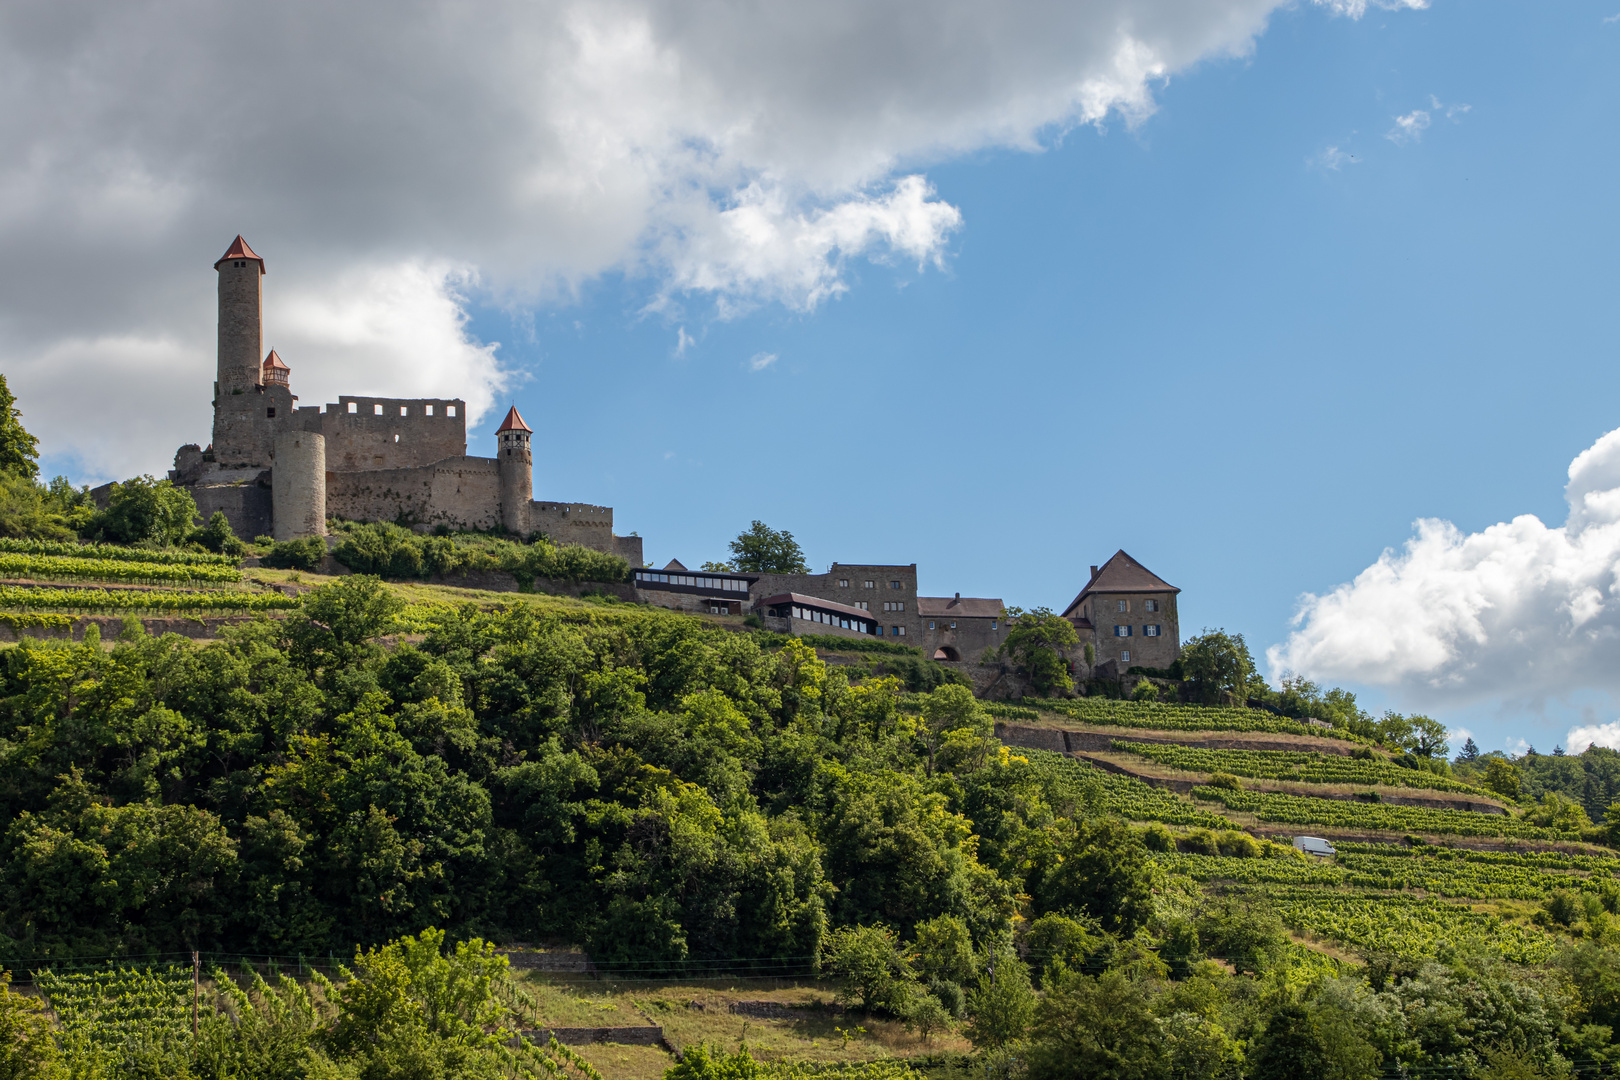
pixel 280 469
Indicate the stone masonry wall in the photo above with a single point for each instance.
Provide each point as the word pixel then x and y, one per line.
pixel 460 492
pixel 389 433
pixel 847 584
pixel 575 523
pixel 247 505
pixel 1157 652
pixel 967 636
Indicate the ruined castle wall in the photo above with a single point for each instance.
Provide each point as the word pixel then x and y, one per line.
pixel 577 523
pixel 247 504
pixel 629 549
pixel 376 433
pixel 459 492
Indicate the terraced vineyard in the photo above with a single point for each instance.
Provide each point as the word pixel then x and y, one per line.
pixel 1158 717
pixel 112 1007
pixel 67 567
pixel 1407 925
pixel 115 553
pixel 1344 814
pixel 154 583
pixel 1129 798
pixel 1391 867
pixel 142 601
pixel 1301 766
pixel 1206 868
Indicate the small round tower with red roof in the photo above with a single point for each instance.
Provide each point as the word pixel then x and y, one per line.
pixel 515 467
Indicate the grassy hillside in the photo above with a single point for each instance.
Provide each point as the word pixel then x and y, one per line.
pixel 752 845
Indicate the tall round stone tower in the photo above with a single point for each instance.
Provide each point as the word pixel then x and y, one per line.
pixel 237 439
pixel 241 337
pixel 516 470
pixel 298 485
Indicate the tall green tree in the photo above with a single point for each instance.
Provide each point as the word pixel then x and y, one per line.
pixel 19 451
pixel 1106 873
pixel 1097 1029
pixel 1218 663
pixel 1039 642
pixel 761 549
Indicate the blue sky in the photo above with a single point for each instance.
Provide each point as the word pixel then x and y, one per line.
pixel 1196 340
pixel 1243 288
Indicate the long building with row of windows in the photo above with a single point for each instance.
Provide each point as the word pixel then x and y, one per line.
pixel 1125 612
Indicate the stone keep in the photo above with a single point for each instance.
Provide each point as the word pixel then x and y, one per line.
pixel 277 468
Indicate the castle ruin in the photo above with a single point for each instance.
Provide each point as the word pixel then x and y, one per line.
pixel 280 469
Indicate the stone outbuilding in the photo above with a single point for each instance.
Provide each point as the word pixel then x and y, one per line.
pixel 960 628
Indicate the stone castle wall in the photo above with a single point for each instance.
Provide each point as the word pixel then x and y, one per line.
pixel 458 492
pixel 377 433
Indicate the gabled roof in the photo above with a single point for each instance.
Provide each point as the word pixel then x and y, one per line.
pixel 274 361
pixel 239 250
pixel 675 564
pixel 513 422
pixel 959 606
pixel 1121 574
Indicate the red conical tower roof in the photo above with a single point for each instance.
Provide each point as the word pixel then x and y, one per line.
pixel 274 361
pixel 239 250
pixel 513 422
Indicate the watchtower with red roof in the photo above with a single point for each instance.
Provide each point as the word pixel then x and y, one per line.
pixel 238 438
pixel 515 465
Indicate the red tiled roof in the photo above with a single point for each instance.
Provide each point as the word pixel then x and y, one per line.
pixel 239 250
pixel 816 602
pixel 953 607
pixel 274 361
pixel 513 422
pixel 1121 574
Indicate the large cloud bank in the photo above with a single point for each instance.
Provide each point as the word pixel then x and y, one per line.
pixel 395 156
pixel 1518 610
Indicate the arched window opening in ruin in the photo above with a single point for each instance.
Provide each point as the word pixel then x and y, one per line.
pixel 946 652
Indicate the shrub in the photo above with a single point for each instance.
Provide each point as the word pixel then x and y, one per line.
pixel 1158 838
pixel 926 1014
pixel 217 536
pixel 1224 780
pixel 871 967
pixel 144 511
pixel 301 554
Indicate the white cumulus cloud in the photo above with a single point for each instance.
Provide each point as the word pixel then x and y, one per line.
pixel 1409 128
pixel 724 155
pixel 1604 735
pixel 761 361
pixel 1519 609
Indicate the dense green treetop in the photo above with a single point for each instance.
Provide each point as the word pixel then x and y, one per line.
pixel 763 550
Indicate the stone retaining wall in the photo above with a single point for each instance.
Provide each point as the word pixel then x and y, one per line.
pixel 627 1036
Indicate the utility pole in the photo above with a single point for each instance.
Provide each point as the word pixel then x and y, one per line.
pixel 196 973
